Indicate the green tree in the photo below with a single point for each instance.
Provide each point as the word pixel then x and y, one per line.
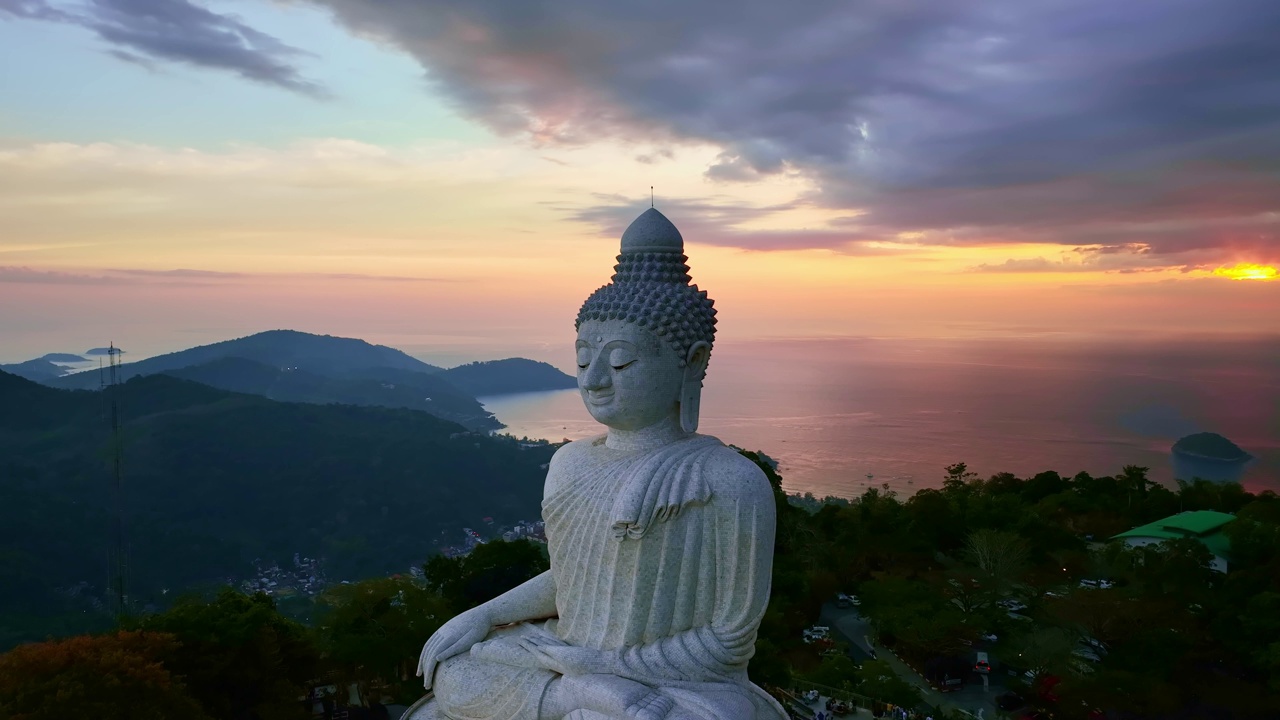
pixel 768 668
pixel 934 520
pixel 836 671
pixel 1043 651
pixel 238 655
pixel 373 630
pixel 912 613
pixel 957 477
pixel 1133 480
pixel 877 680
pixel 1001 557
pixel 489 570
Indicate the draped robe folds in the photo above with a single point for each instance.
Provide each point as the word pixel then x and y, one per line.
pixel 659 563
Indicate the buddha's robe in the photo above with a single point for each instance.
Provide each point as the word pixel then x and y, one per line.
pixel 662 561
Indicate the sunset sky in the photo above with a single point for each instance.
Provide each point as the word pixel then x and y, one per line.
pixel 453 177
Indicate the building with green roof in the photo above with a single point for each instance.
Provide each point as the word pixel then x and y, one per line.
pixel 1203 525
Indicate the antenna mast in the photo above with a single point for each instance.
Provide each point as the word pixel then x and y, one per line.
pixel 118 564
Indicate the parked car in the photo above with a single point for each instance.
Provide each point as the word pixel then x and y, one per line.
pixel 982 663
pixel 1012 605
pixel 817 633
pixel 847 600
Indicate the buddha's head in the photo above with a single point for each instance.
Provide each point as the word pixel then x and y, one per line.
pixel 645 338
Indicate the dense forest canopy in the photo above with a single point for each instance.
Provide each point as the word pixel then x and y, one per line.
pixel 215 480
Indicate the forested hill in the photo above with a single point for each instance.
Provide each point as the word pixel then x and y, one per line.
pixel 299 367
pixel 383 387
pixel 499 377
pixel 214 479
pixel 39 370
pixel 320 354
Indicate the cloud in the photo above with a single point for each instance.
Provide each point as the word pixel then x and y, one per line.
pixel 730 223
pixel 187 277
pixel 143 32
pixel 1122 259
pixel 33 10
pixel 13 274
pixel 968 122
pixel 179 273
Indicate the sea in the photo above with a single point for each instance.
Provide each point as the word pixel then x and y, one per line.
pixel 846 414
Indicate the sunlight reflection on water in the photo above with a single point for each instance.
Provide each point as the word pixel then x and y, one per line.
pixel 834 412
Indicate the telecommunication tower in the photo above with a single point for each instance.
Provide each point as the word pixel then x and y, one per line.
pixel 117 557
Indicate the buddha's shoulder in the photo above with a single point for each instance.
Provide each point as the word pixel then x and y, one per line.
pixel 730 475
pixel 575 453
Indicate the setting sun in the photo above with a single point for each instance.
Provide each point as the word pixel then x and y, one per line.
pixel 1248 271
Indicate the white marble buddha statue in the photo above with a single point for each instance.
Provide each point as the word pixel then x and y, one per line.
pixel 661 539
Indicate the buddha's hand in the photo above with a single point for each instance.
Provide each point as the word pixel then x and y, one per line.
pixel 615 697
pixel 554 654
pixel 454 637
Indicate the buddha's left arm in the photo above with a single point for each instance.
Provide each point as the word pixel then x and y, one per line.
pixel 744 521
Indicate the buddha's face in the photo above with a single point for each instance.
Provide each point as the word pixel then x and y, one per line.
pixel 629 379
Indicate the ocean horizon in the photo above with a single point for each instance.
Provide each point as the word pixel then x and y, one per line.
pixel 843 415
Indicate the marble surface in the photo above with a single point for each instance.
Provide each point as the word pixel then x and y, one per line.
pixel 661 539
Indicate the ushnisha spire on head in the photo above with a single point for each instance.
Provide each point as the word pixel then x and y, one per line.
pixel 651 287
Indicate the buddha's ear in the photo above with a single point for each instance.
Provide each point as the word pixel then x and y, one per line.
pixel 695 368
pixel 695 361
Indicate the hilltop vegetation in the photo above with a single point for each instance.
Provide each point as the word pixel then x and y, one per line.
pixel 215 479
pixel 1174 639
pixel 1168 636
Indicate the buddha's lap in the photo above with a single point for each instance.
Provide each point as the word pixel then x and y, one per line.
pixel 466 686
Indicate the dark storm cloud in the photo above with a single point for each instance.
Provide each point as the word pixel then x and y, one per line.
pixel 143 31
pixel 978 121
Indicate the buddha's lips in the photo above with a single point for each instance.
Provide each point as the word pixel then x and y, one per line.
pixel 600 398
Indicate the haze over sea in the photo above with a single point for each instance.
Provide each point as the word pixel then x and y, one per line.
pixel 834 412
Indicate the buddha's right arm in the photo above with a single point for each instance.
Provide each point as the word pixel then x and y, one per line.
pixel 533 600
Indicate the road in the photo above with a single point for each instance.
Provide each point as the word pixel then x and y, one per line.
pixel 855 629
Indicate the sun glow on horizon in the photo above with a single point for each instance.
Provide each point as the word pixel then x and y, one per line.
pixel 1248 271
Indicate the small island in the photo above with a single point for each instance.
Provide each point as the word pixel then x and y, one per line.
pixel 1209 456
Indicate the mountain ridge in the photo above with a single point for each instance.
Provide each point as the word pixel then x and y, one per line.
pixel 282 348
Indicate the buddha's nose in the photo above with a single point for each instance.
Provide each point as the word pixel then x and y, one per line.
pixel 597 377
